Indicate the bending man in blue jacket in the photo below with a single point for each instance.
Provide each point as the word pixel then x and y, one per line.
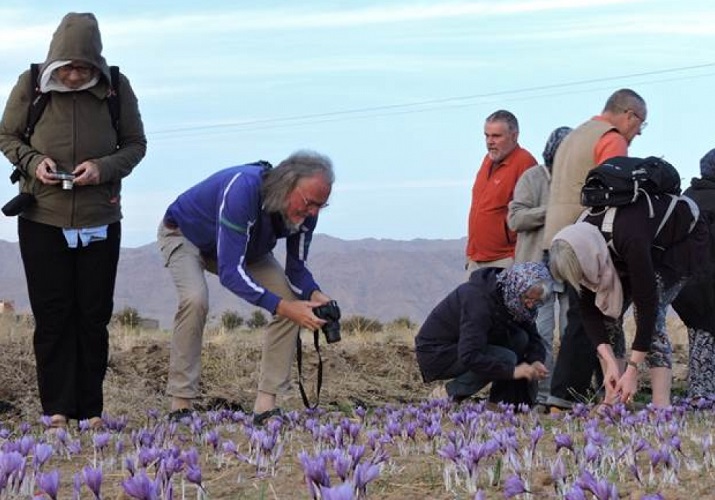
pixel 229 224
pixel 484 332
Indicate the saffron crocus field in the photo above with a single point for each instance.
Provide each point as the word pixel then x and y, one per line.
pixel 374 436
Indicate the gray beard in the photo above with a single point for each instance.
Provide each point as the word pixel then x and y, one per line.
pixel 292 228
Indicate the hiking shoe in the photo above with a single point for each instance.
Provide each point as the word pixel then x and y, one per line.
pixel 259 419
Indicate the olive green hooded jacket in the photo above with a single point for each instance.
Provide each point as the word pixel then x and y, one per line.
pixel 76 126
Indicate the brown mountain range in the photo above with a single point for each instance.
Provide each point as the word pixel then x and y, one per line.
pixel 379 279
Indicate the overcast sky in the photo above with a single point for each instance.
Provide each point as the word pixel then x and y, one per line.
pixel 394 92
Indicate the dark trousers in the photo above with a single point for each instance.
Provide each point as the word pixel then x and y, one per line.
pixel 71 293
pixel 465 382
pixel 577 361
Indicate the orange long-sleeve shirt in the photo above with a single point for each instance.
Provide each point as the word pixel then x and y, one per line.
pixel 489 237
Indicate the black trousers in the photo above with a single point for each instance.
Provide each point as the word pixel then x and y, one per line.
pixel 71 293
pixel 465 382
pixel 577 361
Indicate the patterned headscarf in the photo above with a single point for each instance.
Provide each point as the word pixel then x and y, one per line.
pixel 516 281
pixel 552 144
pixel 707 164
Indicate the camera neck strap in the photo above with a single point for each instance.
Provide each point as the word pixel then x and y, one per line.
pixel 319 381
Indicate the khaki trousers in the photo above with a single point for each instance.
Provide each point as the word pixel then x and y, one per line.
pixel 187 268
pixel 474 265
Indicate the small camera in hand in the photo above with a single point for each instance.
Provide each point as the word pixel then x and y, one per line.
pixel 330 312
pixel 66 178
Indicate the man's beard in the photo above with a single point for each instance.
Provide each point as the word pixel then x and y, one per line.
pixel 292 227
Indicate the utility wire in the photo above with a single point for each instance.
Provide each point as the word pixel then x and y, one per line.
pixel 421 106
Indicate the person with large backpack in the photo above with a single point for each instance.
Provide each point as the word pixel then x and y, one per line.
pixel 646 256
pixel 72 133
pixel 695 304
pixel 604 136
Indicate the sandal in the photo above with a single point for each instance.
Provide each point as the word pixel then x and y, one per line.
pixel 260 419
pixel 58 421
pixel 96 423
pixel 180 414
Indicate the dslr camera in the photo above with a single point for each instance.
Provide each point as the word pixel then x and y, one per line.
pixel 330 312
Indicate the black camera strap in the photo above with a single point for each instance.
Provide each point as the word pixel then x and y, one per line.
pixel 319 382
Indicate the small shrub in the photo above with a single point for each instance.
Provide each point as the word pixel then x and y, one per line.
pixel 231 320
pixel 401 323
pixel 128 317
pixel 257 320
pixel 355 324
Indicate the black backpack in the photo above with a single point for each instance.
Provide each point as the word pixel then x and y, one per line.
pixel 621 180
pixel 39 101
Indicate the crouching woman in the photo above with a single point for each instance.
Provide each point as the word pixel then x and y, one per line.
pixel 484 332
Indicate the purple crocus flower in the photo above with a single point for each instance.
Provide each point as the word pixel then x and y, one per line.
pixel 365 473
pixel 211 437
pixel 356 452
pixel 344 491
pixel 100 441
pixel 341 465
pixel 514 486
pixel 536 435
pixel 49 483
pixel 193 475
pixel 591 452
pixel 141 487
pixel 46 421
pixel 558 469
pixel 93 479
pixel 25 445
pixel 563 441
pixel 315 472
pixel 575 493
pixel 43 452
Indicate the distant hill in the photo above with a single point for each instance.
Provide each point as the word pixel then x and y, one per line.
pixel 382 279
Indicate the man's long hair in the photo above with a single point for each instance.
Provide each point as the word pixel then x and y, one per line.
pixel 281 180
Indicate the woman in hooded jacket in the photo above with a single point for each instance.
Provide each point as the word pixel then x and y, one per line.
pixel 72 164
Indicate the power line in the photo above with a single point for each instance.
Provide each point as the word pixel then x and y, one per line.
pixel 413 107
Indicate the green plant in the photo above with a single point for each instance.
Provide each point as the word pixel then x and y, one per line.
pixel 257 320
pixel 231 320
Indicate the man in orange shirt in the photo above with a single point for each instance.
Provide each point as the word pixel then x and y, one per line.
pixel 490 242
pixel 593 142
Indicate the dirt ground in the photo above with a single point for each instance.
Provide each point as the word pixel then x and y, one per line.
pixel 372 371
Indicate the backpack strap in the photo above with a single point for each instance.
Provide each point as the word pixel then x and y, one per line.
pixel 37 103
pixel 113 97
pixel 609 215
pixel 694 209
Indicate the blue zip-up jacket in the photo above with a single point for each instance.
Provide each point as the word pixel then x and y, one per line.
pixel 224 217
